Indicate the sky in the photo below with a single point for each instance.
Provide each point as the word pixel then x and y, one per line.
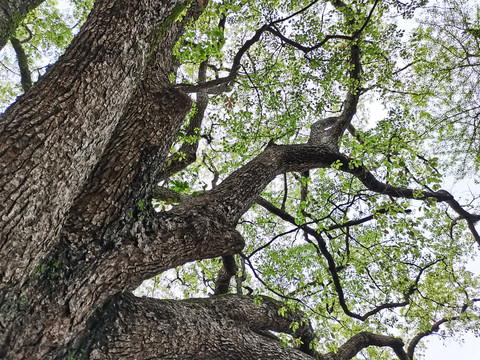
pixel 449 349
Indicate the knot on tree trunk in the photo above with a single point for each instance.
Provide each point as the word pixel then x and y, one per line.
pixel 326 132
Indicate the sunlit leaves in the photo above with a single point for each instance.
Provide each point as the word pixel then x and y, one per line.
pixel 446 73
pixel 45 33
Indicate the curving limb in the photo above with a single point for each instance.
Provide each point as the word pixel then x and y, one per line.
pixel 225 274
pixel 362 340
pixel 241 189
pixel 434 328
pixel 224 84
pixel 332 267
pixel 371 183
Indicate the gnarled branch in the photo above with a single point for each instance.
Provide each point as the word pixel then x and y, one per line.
pixel 362 340
pixel 210 326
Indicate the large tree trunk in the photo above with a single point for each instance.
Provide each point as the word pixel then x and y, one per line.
pixel 54 137
pixel 78 153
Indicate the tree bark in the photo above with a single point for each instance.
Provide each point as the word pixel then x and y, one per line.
pixel 77 153
pixel 26 79
pixel 220 327
pixel 52 140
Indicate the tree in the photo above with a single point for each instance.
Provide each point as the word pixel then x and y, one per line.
pixel 341 236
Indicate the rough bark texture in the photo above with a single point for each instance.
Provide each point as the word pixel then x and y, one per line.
pixel 54 138
pixel 79 154
pixel 221 327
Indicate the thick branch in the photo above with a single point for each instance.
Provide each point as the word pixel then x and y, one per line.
pixel 223 327
pixel 149 246
pixel 140 143
pixel 362 340
pixel 77 278
pixel 328 131
pixel 225 274
pixel 239 191
pixel 22 60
